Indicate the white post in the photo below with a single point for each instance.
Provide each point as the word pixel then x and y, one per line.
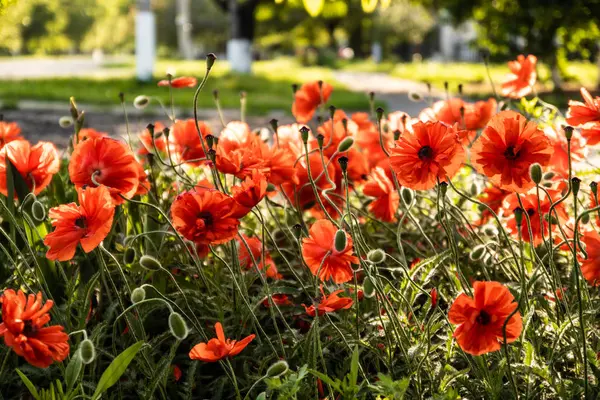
pixel 145 41
pixel 239 55
pixel 376 52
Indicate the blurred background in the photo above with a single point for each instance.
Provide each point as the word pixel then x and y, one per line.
pixel 94 49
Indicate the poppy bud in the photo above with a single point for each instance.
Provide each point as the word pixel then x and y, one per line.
pixel 568 132
pixel 551 219
pixel 141 101
pixel 210 60
pixel 585 218
pixel 73 108
pixel 65 122
pixel 477 252
pixel 547 185
pixel 434 297
pixel 474 190
pixel 150 263
pixel 320 139
pixel 210 139
pixel 138 294
pixel 518 216
pixel 129 256
pixel 345 144
pixel 166 133
pixel 304 134
pixel 331 111
pixel 216 94
pixel 294 88
pixel 376 256
pixel 297 229
pixel 594 189
pixel 575 184
pixel 38 212
pixel 408 196
pixel 343 161
pixel 379 113
pixel 490 230
pixel 415 97
pixel 271 187
pixel 549 175
pixel 274 124
pixel 443 188
pixel 368 288
pixel 177 326
pixel 261 396
pixel 535 172
pixel 340 241
pixel 87 351
pixel 278 369
pixel 212 155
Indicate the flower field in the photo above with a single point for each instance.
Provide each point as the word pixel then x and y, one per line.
pixel 379 255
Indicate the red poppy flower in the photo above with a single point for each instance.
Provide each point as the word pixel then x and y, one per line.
pixel 219 348
pixel 481 318
pixel 87 224
pixel 591 133
pixel 319 253
pixel 427 155
pixel 367 138
pixel 434 297
pixel 23 320
pixel 186 142
pixel 530 206
pixel 205 216
pixel 559 294
pixel 507 148
pixel 333 133
pixel 281 167
pixel 308 98
pixel 181 82
pixel 493 197
pixel 289 138
pixel 559 160
pixel 520 81
pixel 247 258
pixel 146 140
pixel 582 113
pixel 279 299
pixel 329 304
pixel 9 131
pixel 386 197
pixel 240 152
pixel 176 373
pixel 590 267
pixel 143 182
pixel 90 133
pixel 36 164
pixel 105 161
pixel 302 194
pixel 250 192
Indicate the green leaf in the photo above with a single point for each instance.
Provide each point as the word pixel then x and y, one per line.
pixel 335 385
pixel 72 372
pixel 29 384
pixel 354 367
pixel 116 368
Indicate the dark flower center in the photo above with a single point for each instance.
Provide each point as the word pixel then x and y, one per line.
pixel 530 212
pixel 425 153
pixel 80 222
pixel 29 329
pixel 510 154
pixel 483 318
pixel 206 217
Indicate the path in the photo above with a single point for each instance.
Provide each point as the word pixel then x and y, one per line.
pixel 77 66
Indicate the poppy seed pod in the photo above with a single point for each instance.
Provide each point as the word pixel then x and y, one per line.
pixel 129 256
pixel 210 60
pixel 274 124
pixel 150 263
pixel 87 351
pixel 331 108
pixel 594 188
pixel 535 173
pixel 585 218
pixel 297 229
pixel 368 288
pixel 320 139
pixel 379 113
pixel 477 252
pixel 138 294
pixel 549 175
pixel 38 212
pixel 408 196
pixel 575 184
pixel 376 256
pixel 568 132
pixel 141 101
pixel 443 188
pixel 340 240
pixel 345 145
pixel 518 216
pixel 343 161
pixel 65 122
pixel 177 326
pixel 278 369
pixel 304 134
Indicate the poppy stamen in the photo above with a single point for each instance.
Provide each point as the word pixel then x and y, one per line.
pixel 483 318
pixel 206 217
pixel 425 153
pixel 510 154
pixel 81 223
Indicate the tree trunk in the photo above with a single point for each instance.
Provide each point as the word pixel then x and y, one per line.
pixel 242 23
pixel 184 30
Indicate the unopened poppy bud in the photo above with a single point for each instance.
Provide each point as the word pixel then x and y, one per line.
pixel 129 256
pixel 141 101
pixel 271 187
pixel 376 256
pixel 535 172
pixel 474 189
pixel 138 294
pixel 568 132
pixel 166 132
pixel 551 219
pixel 150 129
pixel 73 108
pixel 460 89
pixel 477 252
pixel 345 144
pixel 294 88
pixel 320 139
pixel 549 175
pixel 340 241
pixel 210 139
pixel 87 351
pixel 434 297
pixel 490 230
pixel 210 60
pixel 343 161
pixel 379 113
pixel 297 229
pixel 585 218
pixel 594 189
pixel 262 396
pixel 518 216
pixel 150 263
pixel 331 111
pixel 278 369
pixel 216 94
pixel 547 185
pixel 368 287
pixel 443 188
pixel 38 212
pixel 177 326
pixel 415 97
pixel 304 134
pixel 575 184
pixel 274 124
pixel 65 122
pixel 397 134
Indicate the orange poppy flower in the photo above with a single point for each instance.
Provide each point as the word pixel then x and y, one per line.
pixel 177 373
pixel 250 192
pixel 308 98
pixel 302 194
pixel 279 299
pixel 239 152
pixel 90 133
pixel 319 253
pixel 400 121
pixel 281 167
pixel 146 140
pixel 480 319
pixel 427 155
pixel 329 304
pixel 23 320
pixel 591 133
pixel 522 77
pixel 143 182
pixel 87 224
pixel 181 82
pixel 386 197
pixel 530 206
pixel 289 138
pixel 333 133
pixel 9 131
pixel 367 138
pixel 582 113
pixel 219 348
pixel 493 197
pixel 247 258
pixel 507 148
pixel 559 159
pixel 186 142
pixel 105 161
pixel 36 164
pixel 205 216
pixel 590 267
